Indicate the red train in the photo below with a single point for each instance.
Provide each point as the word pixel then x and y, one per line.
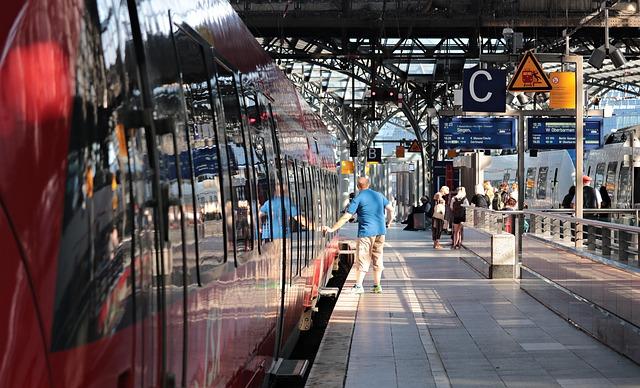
pixel 162 185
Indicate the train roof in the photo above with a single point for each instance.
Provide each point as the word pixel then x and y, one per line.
pixel 622 136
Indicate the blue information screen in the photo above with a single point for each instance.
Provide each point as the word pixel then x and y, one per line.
pixel 560 133
pixel 477 133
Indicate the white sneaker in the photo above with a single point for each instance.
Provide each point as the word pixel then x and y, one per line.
pixel 357 289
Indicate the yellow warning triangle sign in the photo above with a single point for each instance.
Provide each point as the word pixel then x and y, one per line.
pixel 529 76
pixel 415 147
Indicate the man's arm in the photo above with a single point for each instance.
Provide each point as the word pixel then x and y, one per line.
pixel 343 220
pixel 389 212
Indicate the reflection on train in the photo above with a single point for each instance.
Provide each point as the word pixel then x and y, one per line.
pixel 168 184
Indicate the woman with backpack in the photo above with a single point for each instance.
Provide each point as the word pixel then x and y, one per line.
pixel 480 199
pixel 437 219
pixel 459 216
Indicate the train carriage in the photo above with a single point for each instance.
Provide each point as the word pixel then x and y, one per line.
pixel 163 188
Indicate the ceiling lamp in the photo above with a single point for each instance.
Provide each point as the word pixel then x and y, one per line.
pixel 600 54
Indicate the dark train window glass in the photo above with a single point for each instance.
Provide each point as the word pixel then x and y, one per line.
pixel 541 192
pixel 104 256
pixel 304 214
pixel 624 189
pixel 293 224
pixel 530 183
pixel 313 222
pixel 599 175
pixel 258 129
pixel 611 178
pixel 237 158
pixel 202 165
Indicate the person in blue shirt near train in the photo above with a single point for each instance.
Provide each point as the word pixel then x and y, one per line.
pixel 281 216
pixel 374 215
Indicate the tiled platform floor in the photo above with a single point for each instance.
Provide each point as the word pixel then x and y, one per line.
pixel 439 324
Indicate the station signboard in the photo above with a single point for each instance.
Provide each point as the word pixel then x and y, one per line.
pixel 477 133
pixel 484 90
pixel 560 133
pixel 374 155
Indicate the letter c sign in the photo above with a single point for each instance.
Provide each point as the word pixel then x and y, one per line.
pixel 484 90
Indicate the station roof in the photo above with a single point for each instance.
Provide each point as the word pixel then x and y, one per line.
pixel 341 48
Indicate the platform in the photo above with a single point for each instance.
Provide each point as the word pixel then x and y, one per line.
pixel 440 324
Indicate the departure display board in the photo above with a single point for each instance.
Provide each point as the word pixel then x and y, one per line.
pixel 560 133
pixel 477 133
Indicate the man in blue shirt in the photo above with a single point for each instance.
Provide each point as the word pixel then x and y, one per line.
pixel 281 216
pixel 370 206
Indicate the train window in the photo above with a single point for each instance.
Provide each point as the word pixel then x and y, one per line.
pixel 206 200
pixel 599 175
pixel 624 189
pixel 105 246
pixel 531 183
pixel 258 135
pixel 294 224
pixel 541 192
pixel 304 204
pixel 312 212
pixel 611 177
pixel 300 221
pixel 237 160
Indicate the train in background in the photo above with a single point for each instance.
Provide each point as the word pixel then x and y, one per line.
pixel 163 185
pixel 616 166
pixel 550 175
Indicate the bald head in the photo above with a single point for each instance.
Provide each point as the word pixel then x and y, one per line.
pixel 363 183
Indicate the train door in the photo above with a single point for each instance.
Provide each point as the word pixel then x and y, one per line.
pixel 279 238
pixel 264 180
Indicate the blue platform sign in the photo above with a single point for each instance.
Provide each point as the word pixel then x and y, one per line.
pixel 560 133
pixel 484 90
pixel 477 133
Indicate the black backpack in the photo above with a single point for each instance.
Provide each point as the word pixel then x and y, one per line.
pixel 589 198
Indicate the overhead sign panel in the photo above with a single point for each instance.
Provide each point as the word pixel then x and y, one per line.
pixel 560 133
pixel 484 90
pixel 563 94
pixel 529 77
pixel 477 133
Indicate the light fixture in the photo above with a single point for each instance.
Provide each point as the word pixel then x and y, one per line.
pixel 522 98
pixel 600 54
pixel 510 98
pixel 617 57
pixel 597 57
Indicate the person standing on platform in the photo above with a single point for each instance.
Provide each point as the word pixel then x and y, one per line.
pixel 480 199
pixel 444 192
pixel 488 191
pixel 459 216
pixel 437 219
pixel 566 201
pixel 591 198
pixel 374 215
pixel 514 192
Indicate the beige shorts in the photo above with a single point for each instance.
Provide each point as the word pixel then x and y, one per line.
pixel 370 252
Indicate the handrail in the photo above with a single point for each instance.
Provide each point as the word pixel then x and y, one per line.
pixel 586 221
